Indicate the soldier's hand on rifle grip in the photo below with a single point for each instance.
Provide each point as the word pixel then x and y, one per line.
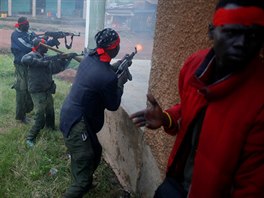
pixel 129 63
pixel 129 75
pixel 122 79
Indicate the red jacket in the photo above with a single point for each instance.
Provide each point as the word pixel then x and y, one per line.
pixel 229 160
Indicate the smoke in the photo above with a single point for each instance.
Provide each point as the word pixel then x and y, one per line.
pixel 134 20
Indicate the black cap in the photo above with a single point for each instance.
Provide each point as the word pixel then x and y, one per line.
pixel 106 37
pixel 21 19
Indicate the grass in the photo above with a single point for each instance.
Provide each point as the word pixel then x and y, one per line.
pixel 24 172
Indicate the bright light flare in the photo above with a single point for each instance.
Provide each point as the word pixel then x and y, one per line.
pixel 139 47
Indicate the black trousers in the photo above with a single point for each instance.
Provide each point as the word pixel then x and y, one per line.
pixel 86 152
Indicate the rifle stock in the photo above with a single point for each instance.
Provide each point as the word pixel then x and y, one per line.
pixel 77 58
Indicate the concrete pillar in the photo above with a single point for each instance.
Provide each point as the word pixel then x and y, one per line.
pixel 33 8
pixel 59 9
pixel 84 9
pixel 95 16
pixel 181 29
pixel 9 8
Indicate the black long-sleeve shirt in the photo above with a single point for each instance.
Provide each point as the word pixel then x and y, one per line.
pixel 94 90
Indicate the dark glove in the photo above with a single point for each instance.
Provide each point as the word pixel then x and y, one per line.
pixel 53 42
pixel 117 64
pixel 122 79
pixel 129 63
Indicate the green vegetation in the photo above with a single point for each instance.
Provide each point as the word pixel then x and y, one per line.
pixel 24 172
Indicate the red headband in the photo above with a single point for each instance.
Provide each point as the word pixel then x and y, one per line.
pixel 243 15
pixel 21 23
pixel 104 56
pixel 34 49
pixel 114 44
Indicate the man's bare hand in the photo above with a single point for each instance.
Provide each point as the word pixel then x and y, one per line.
pixel 151 117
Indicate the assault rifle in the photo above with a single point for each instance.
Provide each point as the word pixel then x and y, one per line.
pixel 123 67
pixel 78 58
pixel 61 34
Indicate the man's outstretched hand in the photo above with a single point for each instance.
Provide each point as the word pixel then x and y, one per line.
pixel 152 117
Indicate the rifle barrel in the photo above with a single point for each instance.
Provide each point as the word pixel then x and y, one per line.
pixel 78 59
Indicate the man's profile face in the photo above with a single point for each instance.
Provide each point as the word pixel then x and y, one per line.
pixel 236 45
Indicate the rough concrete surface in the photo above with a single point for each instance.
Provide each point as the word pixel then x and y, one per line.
pixel 181 29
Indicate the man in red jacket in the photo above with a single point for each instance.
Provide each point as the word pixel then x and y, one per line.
pixel 219 149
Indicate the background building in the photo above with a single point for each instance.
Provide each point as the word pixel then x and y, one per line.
pixel 132 15
pixel 49 8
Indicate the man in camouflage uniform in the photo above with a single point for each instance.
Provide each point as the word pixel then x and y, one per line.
pixel 41 86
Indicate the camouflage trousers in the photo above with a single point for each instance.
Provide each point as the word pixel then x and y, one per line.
pixel 24 103
pixel 44 113
pixel 85 154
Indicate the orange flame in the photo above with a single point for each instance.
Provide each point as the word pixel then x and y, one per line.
pixel 139 47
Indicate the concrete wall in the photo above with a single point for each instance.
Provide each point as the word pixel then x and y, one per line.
pixel 139 156
pixel 128 154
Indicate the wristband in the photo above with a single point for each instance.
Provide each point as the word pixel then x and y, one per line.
pixel 170 120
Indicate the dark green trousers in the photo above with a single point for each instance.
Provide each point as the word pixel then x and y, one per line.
pixel 85 154
pixel 44 113
pixel 24 102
